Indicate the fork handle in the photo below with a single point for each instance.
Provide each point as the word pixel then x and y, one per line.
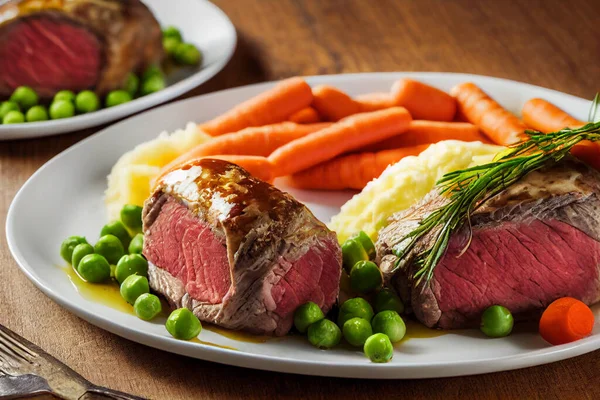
pixel 99 392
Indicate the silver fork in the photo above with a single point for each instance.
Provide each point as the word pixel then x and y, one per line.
pixel 27 370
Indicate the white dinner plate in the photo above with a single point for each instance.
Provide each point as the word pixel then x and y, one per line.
pixel 200 22
pixel 65 197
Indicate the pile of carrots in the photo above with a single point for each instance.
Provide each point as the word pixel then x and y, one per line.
pixel 322 138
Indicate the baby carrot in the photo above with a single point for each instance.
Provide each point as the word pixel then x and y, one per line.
pixel 423 101
pixel 566 320
pixel 374 101
pixel 274 105
pixel 588 152
pixel 351 133
pixel 332 103
pixel 307 115
pixel 352 171
pixel 480 109
pixel 545 117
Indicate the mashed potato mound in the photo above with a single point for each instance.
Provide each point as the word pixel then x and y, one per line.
pixel 129 179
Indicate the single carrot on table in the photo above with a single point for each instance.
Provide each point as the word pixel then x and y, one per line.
pixel 274 105
pixel 498 124
pixel 566 320
pixel 544 116
pixel 351 133
pixel 374 101
pixel 423 101
pixel 332 103
pixel 352 171
pixel 307 115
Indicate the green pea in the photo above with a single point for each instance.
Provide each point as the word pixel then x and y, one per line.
pixel 386 299
pixel 324 334
pixel 170 45
pixel 132 84
pixel 366 243
pixel 378 348
pixel 307 314
pixel 116 228
pixel 137 244
pixel 67 95
pixel 61 109
pixel 110 247
pixel 356 331
pixel 187 54
pixel 94 268
pixel 80 251
pixel 147 306
pixel 153 84
pixel 13 117
pixel 6 107
pixel 36 113
pixel 183 324
pixel 353 252
pixel 133 264
pixel 68 245
pixel 389 323
pixel 172 32
pixel 87 101
pixel 133 287
pixel 131 216
pixel 352 308
pixel 365 277
pixel 117 97
pixel 497 321
pixel 25 97
pixel 151 71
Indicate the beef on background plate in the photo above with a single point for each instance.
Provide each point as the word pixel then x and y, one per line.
pixel 235 250
pixel 536 241
pixel 53 45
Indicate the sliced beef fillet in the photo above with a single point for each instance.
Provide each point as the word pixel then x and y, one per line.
pixel 84 44
pixel 536 241
pixel 235 250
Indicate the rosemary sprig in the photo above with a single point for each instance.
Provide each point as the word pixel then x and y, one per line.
pixel 469 188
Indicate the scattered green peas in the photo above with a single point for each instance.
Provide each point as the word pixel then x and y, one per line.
pixel 110 247
pixel 365 277
pixel 25 97
pixel 386 299
pixel 132 264
pixel 366 243
pixel 133 287
pixel 307 314
pixel 117 97
pixel 131 216
pixel 132 84
pixel 65 95
pixel 68 245
pixel 116 228
pixel 80 251
pixel 170 45
pixel 378 348
pixel 94 268
pixel 324 334
pixel 87 101
pixel 356 331
pixel 356 307
pixel 183 324
pixel 147 306
pixel 497 321
pixel 389 323
pixel 137 244
pixel 13 117
pixel 172 32
pixel 151 71
pixel 353 252
pixel 153 84
pixel 6 107
pixel 36 113
pixel 62 109
pixel 187 54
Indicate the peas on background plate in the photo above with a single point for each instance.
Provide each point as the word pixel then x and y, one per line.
pixel 132 264
pixel 68 245
pixel 365 277
pixel 386 299
pixel 25 97
pixel 187 54
pixel 36 114
pixel 497 321
pixel 116 228
pixel 6 107
pixel 67 95
pixel 183 324
pixel 389 323
pixel 306 315
pixel 110 247
pixel 378 348
pixel 152 84
pixel 356 331
pixel 147 306
pixel 137 244
pixel 324 334
pixel 170 45
pixel 131 216
pixel 87 101
pixel 132 84
pixel 352 308
pixel 172 32
pixel 151 71
pixel 117 97
pixel 80 251
pixel 133 287
pixel 61 109
pixel 94 268
pixel 13 117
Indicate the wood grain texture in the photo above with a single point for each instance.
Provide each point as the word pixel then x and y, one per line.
pixel 549 43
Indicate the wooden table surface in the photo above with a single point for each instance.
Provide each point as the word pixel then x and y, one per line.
pixel 549 43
